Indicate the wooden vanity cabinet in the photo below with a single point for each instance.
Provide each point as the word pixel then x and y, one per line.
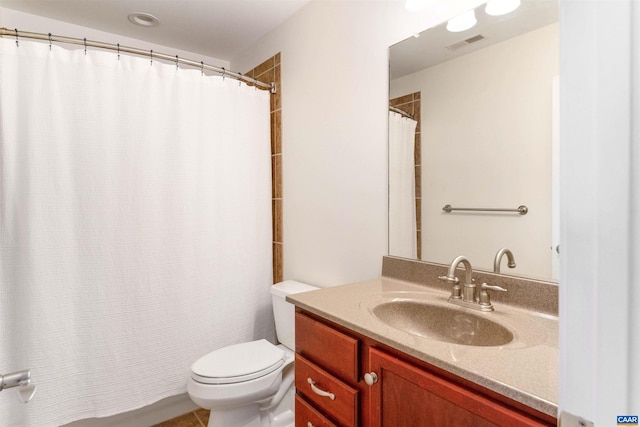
pixel 407 392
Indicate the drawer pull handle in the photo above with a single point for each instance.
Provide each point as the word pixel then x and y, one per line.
pixel 370 378
pixel 320 392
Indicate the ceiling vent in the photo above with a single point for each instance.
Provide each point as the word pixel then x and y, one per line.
pixel 465 42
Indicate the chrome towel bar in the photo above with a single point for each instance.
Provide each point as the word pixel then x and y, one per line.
pixel 522 209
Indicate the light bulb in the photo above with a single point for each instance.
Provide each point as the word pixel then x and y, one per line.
pixel 501 7
pixel 462 22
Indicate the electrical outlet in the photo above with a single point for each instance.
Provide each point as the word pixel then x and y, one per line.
pixel 569 420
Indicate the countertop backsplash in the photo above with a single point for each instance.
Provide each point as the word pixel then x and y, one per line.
pixel 536 295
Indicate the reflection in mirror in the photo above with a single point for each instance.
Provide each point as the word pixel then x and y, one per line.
pixel 403 191
pixel 484 105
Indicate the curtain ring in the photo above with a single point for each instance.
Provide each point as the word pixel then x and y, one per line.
pixel 49 42
pixel 151 54
pixel 239 79
pixel 85 45
pixel 223 73
pixel 118 51
pixel 16 30
pixel 176 62
pixel 202 67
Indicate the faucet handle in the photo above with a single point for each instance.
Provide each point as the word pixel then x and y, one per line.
pixel 484 300
pixel 449 279
pixel 484 286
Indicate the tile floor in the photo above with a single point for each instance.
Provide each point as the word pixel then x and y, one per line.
pixel 198 418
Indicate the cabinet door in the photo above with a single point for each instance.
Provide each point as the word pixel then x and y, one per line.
pixel 407 396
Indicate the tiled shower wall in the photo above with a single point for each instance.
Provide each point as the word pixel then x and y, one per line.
pixel 268 72
pixel 411 104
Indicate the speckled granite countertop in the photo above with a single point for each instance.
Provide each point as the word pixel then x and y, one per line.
pixel 525 370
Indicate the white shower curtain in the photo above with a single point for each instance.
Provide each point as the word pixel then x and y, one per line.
pixel 135 210
pixel 402 189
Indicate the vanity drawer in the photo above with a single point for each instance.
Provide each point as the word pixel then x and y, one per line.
pixel 308 416
pixel 314 383
pixel 328 348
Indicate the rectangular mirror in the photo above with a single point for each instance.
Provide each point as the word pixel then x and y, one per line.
pixel 481 133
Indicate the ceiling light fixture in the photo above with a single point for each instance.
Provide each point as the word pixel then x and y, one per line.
pixel 143 19
pixel 462 22
pixel 501 7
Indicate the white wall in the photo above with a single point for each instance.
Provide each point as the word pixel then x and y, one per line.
pixel 486 142
pixel 600 208
pixel 334 109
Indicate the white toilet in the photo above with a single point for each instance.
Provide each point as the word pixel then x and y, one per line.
pixel 251 384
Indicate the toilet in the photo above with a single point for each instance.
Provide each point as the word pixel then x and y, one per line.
pixel 251 384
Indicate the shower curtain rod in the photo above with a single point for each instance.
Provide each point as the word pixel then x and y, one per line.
pixel 399 111
pixel 135 51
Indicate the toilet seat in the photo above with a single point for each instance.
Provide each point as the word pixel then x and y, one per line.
pixel 238 363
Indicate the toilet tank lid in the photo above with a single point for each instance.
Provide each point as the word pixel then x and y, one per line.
pixel 289 287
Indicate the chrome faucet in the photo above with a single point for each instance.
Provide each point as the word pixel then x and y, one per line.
pixel 511 263
pixel 466 295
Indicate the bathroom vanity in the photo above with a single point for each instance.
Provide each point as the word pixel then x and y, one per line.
pixel 357 366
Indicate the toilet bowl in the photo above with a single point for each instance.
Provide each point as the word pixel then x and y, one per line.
pixel 251 384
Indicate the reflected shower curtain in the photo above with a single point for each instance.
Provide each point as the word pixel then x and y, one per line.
pixel 402 189
pixel 135 219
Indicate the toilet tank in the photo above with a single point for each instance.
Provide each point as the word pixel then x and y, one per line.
pixel 284 312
